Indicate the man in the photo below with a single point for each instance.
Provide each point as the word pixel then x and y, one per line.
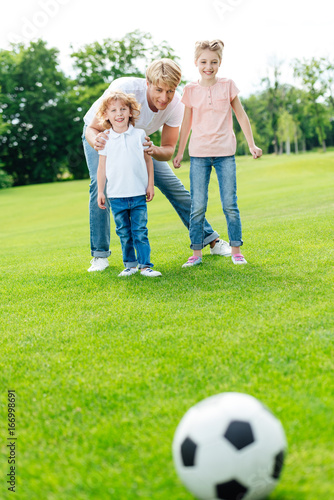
pixel 160 107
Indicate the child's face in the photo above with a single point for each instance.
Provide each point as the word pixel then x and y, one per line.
pixel 208 64
pixel 118 114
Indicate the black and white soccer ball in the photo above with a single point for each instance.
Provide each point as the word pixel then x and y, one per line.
pixel 229 447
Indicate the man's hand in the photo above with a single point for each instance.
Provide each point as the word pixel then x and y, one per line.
pixel 177 160
pixel 100 140
pixel 256 152
pixel 149 193
pixel 101 201
pixel 150 149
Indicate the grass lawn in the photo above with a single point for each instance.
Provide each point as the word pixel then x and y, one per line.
pixel 104 368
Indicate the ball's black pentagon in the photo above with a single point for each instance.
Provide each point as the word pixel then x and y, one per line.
pixel 231 490
pixel 239 434
pixel 278 465
pixel 188 451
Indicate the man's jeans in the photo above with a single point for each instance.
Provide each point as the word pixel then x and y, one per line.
pixel 200 172
pixel 130 216
pixel 164 179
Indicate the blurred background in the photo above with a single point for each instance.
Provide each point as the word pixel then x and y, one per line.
pixel 58 56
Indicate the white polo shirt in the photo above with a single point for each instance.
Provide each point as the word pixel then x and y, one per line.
pixel 126 169
pixel 148 120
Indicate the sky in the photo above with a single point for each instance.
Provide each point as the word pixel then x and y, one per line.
pixel 257 33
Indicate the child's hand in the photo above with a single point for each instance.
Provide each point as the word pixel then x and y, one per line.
pixel 177 160
pixel 101 201
pixel 256 152
pixel 149 193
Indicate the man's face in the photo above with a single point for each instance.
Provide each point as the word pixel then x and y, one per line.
pixel 159 95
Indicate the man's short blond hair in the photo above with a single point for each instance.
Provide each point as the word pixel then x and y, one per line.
pixel 127 99
pixel 215 46
pixel 164 71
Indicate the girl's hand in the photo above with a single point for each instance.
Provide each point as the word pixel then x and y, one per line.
pixel 100 140
pixel 177 160
pixel 256 152
pixel 149 193
pixel 101 201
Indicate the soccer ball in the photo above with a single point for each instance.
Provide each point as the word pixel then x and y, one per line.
pixel 229 447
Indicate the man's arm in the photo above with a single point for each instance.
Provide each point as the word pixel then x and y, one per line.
pixel 169 137
pixel 95 135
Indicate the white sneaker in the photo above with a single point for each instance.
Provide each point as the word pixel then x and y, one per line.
pixel 149 272
pixel 128 271
pixel 221 248
pixel 98 264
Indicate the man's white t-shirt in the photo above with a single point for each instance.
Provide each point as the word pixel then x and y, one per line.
pixel 148 120
pixel 126 169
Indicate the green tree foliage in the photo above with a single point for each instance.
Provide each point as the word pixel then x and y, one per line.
pixel 103 62
pixel 43 109
pixel 312 76
pixel 31 87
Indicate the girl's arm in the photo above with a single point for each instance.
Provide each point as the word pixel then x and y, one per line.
pixel 184 134
pixel 101 182
pixel 245 125
pixel 150 172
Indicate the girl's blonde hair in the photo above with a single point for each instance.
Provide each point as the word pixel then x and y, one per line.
pixel 164 71
pixel 127 99
pixel 215 46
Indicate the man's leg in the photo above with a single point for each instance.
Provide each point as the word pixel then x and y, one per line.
pixel 99 219
pixel 179 197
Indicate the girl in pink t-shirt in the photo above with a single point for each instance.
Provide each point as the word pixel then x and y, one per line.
pixel 208 114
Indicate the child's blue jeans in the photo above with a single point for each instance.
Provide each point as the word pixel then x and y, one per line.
pixel 130 216
pixel 200 172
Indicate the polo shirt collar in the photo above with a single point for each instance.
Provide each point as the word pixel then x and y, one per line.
pixel 115 135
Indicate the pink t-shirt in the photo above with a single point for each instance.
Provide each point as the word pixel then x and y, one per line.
pixel 212 123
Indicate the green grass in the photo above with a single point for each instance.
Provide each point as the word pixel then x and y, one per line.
pixel 105 368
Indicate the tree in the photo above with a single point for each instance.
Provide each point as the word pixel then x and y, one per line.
pixel 98 63
pixel 5 179
pixel 31 87
pixel 287 130
pixel 311 74
pixel 274 100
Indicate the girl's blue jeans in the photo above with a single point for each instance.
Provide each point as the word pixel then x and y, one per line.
pixel 200 172
pixel 130 216
pixel 164 179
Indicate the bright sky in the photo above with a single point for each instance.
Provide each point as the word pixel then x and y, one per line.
pixel 255 32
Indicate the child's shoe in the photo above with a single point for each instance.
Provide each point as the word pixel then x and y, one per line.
pixel 193 261
pixel 150 273
pixel 128 271
pixel 238 258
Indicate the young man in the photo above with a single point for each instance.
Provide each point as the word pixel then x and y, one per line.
pixel 160 107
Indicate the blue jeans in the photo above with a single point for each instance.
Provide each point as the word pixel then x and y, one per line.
pixel 200 172
pixel 164 179
pixel 130 216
